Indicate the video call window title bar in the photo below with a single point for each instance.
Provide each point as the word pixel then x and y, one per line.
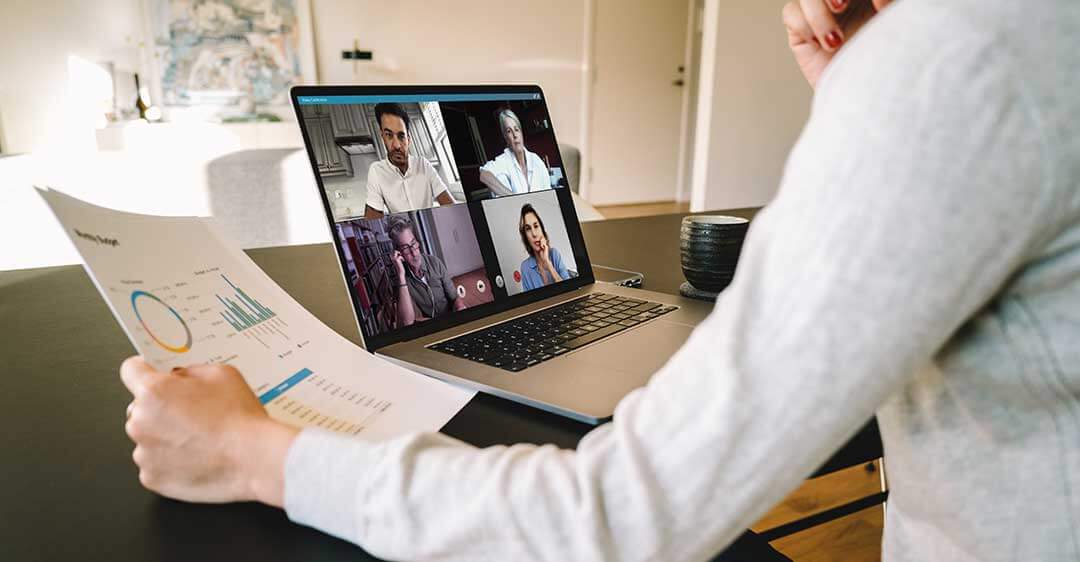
pixel 407 98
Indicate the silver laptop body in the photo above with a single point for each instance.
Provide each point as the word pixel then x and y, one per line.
pixel 584 384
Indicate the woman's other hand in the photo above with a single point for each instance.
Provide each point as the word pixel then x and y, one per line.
pixel 817 29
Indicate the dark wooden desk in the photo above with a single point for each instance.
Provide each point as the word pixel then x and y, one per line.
pixel 69 488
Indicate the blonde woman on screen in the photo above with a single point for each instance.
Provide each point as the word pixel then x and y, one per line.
pixel 516 169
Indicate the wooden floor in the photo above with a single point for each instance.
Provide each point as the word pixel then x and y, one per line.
pixel 643 209
pixel 853 538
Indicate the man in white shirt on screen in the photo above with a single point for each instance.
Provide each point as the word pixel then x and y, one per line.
pixel 517 169
pixel 401 182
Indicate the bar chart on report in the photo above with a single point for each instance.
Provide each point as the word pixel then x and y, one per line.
pixel 248 316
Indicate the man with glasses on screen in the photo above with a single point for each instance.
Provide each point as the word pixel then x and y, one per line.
pixel 402 182
pixel 424 287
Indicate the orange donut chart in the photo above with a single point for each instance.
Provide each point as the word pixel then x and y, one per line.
pixel 135 296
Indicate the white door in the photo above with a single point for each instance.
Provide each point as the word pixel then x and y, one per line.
pixel 636 121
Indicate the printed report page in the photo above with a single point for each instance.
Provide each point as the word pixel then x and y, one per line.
pixel 185 295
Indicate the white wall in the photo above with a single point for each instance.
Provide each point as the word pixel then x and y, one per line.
pixel 752 105
pixel 36 39
pixel 498 41
pixel 447 42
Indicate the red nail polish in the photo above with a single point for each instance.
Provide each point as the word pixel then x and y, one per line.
pixel 838 5
pixel 834 40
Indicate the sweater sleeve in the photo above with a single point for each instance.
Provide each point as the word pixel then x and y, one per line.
pixel 917 188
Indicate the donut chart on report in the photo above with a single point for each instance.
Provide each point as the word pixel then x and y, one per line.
pixel 149 299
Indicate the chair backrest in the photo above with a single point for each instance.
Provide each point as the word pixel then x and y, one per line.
pixel 571 159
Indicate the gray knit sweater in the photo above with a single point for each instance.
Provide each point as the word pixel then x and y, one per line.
pixel 921 261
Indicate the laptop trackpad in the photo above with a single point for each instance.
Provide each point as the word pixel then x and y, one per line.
pixel 642 350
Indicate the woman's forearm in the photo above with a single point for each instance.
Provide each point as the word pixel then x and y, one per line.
pixel 498 187
pixel 555 276
pixel 265 462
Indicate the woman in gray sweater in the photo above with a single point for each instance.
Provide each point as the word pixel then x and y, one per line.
pixel 921 262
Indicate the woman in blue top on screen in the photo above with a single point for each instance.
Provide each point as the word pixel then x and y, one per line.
pixel 544 265
pixel 516 169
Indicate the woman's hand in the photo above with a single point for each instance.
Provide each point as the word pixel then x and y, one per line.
pixel 543 262
pixel 547 264
pixel 201 435
pixel 543 255
pixel 818 28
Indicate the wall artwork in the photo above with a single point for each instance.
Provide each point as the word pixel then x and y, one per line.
pixel 237 55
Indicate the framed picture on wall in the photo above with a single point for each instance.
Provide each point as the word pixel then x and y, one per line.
pixel 229 59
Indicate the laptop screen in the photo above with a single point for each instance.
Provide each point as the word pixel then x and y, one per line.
pixel 447 204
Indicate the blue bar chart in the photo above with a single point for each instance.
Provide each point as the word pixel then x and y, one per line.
pixel 245 315
pixel 248 316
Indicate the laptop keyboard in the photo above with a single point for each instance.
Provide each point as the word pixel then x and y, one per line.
pixel 546 334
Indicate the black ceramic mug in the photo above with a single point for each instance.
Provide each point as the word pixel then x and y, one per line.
pixel 709 246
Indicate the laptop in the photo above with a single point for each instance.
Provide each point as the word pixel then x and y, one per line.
pixel 455 229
